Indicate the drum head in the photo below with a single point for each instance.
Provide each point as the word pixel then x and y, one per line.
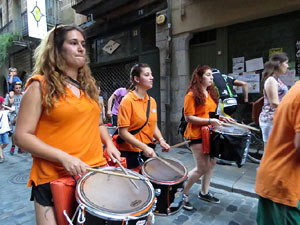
pixel 159 172
pixel 109 196
pixel 231 130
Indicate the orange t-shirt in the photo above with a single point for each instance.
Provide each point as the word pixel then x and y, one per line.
pixel 72 126
pixel 278 176
pixel 194 131
pixel 132 114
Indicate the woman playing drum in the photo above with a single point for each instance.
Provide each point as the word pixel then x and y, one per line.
pixel 58 121
pixel 201 98
pixel 133 115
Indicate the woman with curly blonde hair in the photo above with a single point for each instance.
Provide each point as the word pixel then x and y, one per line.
pixel 58 121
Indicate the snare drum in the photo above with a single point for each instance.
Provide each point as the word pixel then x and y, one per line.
pixel 167 183
pixel 110 199
pixel 230 144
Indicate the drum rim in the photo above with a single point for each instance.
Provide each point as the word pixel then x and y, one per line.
pixel 111 215
pixel 246 133
pixel 170 182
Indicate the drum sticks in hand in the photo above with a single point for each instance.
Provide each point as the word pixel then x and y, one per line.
pixel 124 170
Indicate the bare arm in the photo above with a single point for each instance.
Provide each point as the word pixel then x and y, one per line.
pixel 112 151
pixel 10 81
pixel 158 136
pixel 202 121
pixel 244 87
pixel 297 141
pixel 28 117
pixel 109 104
pixel 271 89
pixel 128 137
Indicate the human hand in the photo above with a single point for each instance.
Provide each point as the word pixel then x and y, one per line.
pixel 73 165
pixel 227 119
pixel 109 114
pixel 113 153
pixel 149 152
pixel 164 145
pixel 215 122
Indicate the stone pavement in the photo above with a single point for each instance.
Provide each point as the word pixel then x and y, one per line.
pixel 234 186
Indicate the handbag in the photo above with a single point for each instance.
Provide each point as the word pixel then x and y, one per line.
pixel 116 135
pixel 256 109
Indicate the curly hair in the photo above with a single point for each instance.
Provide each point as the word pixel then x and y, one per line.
pixel 50 63
pixel 195 86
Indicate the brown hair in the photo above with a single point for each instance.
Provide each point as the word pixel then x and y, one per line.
pixel 50 63
pixel 195 86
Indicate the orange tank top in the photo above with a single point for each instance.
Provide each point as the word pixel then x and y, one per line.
pixel 72 125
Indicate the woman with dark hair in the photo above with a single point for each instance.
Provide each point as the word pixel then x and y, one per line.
pixel 200 100
pixel 133 116
pixel 273 90
pixel 58 120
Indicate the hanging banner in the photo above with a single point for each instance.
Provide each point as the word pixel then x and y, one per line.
pixel 36 17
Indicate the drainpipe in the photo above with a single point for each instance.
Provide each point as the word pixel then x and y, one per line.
pixel 168 61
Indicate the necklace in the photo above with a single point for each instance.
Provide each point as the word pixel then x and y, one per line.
pixel 74 82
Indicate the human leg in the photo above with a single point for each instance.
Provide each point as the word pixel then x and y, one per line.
pixel 1 151
pixel 45 215
pixel 43 204
pixel 114 120
pixel 202 163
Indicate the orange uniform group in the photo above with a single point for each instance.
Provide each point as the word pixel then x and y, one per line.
pixel 69 126
pixel 194 131
pixel 134 119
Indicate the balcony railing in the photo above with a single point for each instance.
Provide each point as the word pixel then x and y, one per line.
pixel 21 26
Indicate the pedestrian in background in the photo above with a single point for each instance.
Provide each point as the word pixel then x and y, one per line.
pixel 58 121
pixel 113 109
pixel 14 101
pixel 200 100
pixel 273 90
pixel 228 101
pixel 278 176
pixel 12 78
pixel 133 116
pixel 4 126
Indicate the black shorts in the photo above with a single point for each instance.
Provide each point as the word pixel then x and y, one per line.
pixel 42 194
pixel 195 141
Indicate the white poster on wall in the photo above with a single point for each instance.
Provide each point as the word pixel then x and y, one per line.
pixel 251 78
pixel 36 17
pixel 254 64
pixel 288 78
pixel 238 65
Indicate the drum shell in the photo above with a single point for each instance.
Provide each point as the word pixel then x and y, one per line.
pixel 105 215
pixel 230 147
pixel 169 201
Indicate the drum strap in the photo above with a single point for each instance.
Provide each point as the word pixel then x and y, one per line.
pixel 119 140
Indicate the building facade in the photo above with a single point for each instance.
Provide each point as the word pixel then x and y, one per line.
pixel 174 36
pixel 13 20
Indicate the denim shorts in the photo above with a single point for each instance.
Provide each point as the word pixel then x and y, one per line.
pixel 4 140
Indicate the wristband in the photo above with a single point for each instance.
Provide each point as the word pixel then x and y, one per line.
pixel 161 139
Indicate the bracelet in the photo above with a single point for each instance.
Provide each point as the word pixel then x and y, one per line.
pixel 208 120
pixel 161 139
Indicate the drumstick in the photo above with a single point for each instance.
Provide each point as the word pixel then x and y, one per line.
pixel 244 126
pixel 180 144
pixel 114 174
pixel 170 165
pixel 120 165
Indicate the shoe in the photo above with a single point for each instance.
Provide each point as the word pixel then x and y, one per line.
pixel 1 159
pixel 12 150
pixel 186 204
pixel 208 197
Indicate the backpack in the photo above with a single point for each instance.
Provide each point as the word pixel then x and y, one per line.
pixel 182 124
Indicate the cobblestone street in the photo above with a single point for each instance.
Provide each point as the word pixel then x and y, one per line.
pixel 16 209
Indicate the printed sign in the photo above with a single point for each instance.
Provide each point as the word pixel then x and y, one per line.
pixel 36 16
pixel 111 46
